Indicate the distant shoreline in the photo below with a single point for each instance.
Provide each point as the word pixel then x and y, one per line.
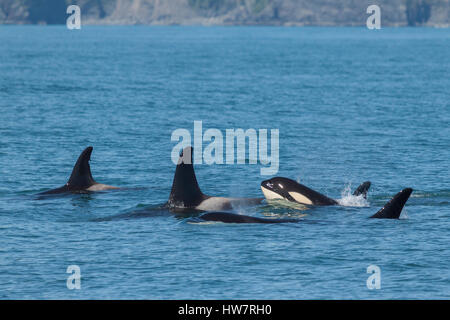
pixel 331 13
pixel 446 26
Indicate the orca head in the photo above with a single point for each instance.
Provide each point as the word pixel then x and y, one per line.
pixel 282 188
pixel 81 177
pixel 185 191
pixel 393 208
pixel 291 190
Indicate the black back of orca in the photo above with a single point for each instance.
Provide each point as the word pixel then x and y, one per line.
pixel 362 189
pixel 316 197
pixel 393 208
pixel 185 190
pixel 238 218
pixel 81 177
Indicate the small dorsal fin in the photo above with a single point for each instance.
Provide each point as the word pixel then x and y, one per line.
pixel 81 176
pixel 362 189
pixel 393 208
pixel 185 190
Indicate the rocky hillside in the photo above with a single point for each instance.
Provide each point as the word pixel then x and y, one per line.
pixel 228 12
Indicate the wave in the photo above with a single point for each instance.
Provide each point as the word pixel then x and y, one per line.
pixel 349 200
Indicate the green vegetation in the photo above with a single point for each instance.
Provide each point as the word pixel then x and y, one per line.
pixel 418 11
pixel 255 6
pixel 259 5
pixel 207 4
pixel 47 11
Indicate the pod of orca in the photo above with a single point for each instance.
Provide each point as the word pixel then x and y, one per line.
pixel 186 193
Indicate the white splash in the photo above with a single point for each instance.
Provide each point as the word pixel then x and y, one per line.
pixel 349 200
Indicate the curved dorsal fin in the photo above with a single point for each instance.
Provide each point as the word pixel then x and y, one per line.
pixel 393 208
pixel 185 190
pixel 81 176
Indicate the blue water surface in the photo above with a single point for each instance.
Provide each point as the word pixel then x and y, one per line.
pixel 351 104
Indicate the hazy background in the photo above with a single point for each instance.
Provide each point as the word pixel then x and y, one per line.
pixel 229 12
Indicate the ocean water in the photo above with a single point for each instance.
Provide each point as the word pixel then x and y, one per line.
pixel 350 104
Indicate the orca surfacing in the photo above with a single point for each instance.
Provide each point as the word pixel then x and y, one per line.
pixel 227 217
pixel 81 179
pixel 186 193
pixel 391 210
pixel 394 207
pixel 288 189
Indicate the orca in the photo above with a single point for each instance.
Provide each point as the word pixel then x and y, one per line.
pixel 391 210
pixel 186 193
pixel 227 217
pixel 288 189
pixel 80 180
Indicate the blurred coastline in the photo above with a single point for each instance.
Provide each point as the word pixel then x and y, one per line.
pixel 431 13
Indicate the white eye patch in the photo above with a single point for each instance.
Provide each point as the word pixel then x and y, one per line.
pixel 270 195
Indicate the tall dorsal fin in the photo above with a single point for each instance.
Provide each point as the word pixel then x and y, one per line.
pixel 362 189
pixel 393 208
pixel 81 176
pixel 185 190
